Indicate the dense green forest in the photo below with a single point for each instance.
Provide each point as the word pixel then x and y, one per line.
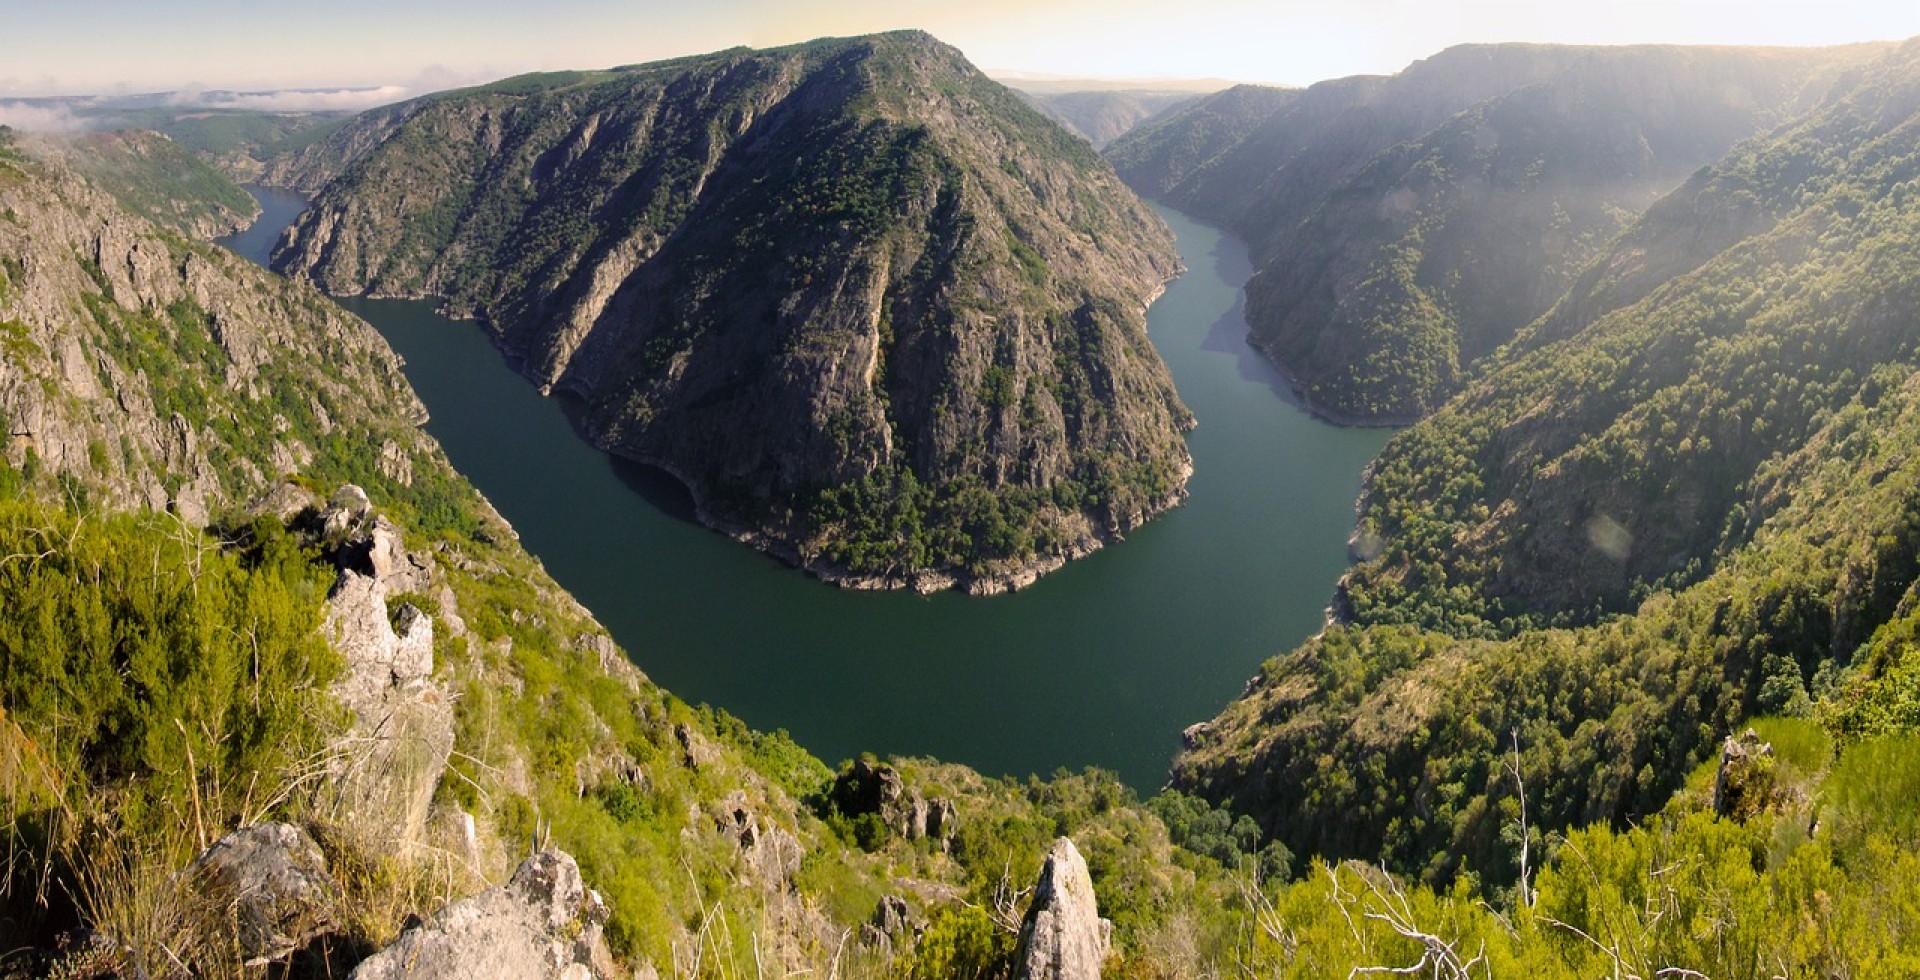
pixel 1633 532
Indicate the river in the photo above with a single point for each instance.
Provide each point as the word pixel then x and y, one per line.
pixel 1099 664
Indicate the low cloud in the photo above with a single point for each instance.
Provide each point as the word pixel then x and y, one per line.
pixel 435 78
pixel 55 114
pixel 40 119
pixel 303 100
pixel 1610 537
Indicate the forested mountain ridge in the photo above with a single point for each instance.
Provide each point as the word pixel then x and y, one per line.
pixel 156 372
pixel 1163 154
pixel 1709 490
pixel 881 316
pixel 151 175
pixel 1406 226
pixel 1663 417
pixel 1282 150
pixel 184 662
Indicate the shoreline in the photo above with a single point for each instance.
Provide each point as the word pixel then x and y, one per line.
pixel 923 581
pixel 1331 416
pixel 768 542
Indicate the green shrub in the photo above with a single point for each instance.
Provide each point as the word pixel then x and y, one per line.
pixel 959 944
pixel 1874 788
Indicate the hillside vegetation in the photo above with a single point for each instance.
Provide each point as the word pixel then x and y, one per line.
pixel 150 371
pixel 883 318
pixel 179 660
pixel 1406 226
pixel 158 179
pixel 192 606
pixel 1615 546
pixel 239 142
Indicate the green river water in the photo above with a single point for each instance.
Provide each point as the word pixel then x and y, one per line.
pixel 1099 664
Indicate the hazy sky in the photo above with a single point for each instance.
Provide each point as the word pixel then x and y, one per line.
pixel 76 46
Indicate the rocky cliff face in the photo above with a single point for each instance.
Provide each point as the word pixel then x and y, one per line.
pixel 156 178
pixel 881 317
pixel 168 375
pixel 1407 226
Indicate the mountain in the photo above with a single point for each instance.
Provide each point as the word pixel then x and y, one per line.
pixel 236 141
pixel 235 132
pixel 1407 226
pixel 154 372
pixel 319 730
pixel 883 318
pixel 1258 160
pixel 1684 500
pixel 207 643
pixel 1160 155
pixel 158 179
pixel 1101 115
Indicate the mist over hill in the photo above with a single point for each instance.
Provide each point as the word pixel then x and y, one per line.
pixel 1405 226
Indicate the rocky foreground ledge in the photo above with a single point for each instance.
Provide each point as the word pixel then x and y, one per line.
pixel 542 923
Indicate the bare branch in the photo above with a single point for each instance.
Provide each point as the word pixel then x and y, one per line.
pixel 1526 886
pixel 1395 910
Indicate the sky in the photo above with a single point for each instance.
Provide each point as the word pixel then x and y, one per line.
pixel 403 47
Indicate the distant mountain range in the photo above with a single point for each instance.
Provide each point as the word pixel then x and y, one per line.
pixel 1680 498
pixel 263 100
pixel 1406 225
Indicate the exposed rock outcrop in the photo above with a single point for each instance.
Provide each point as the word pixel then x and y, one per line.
pixel 370 544
pixel 872 788
pixel 1063 937
pixel 767 851
pixel 892 925
pixel 1745 784
pixel 542 924
pixel 696 752
pixel 274 880
pixel 397 747
pixel 892 916
pixel 167 375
